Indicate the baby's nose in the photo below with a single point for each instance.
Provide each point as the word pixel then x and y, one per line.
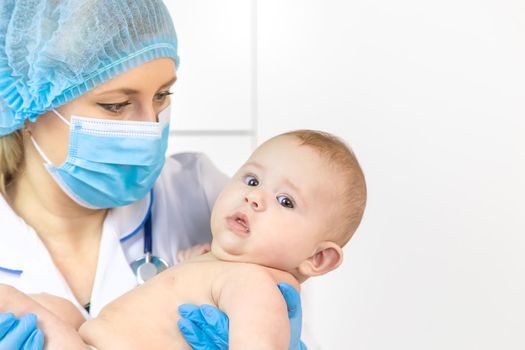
pixel 255 200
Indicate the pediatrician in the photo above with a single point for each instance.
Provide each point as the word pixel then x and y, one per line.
pixel 89 205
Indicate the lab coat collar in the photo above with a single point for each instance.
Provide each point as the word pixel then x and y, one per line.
pixel 129 220
pixel 114 275
pixel 16 236
pixel 24 254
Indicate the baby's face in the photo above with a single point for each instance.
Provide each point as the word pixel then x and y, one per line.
pixel 278 206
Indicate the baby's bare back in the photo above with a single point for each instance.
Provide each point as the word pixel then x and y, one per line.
pixel 146 317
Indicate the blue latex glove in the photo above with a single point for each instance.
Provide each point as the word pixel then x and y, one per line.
pixel 20 334
pixel 206 327
pixel 295 315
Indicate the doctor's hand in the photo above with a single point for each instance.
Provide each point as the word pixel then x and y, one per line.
pixel 295 315
pixel 206 327
pixel 20 333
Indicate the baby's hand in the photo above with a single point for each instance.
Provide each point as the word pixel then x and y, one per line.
pixel 60 321
pixel 196 250
pixel 58 334
pixel 62 308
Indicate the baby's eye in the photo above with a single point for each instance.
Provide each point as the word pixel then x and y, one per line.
pixel 285 201
pixel 114 107
pixel 251 180
pixel 161 96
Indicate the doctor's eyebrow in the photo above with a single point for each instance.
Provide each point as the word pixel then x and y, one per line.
pixel 129 91
pixel 169 83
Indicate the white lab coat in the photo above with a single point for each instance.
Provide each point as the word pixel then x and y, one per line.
pixel 183 197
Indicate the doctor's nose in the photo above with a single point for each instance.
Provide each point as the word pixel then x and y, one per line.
pixel 255 200
pixel 149 114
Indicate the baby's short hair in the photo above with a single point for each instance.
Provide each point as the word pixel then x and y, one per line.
pixel 342 158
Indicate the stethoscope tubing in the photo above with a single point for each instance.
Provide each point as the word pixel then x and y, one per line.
pixel 148 266
pixel 148 237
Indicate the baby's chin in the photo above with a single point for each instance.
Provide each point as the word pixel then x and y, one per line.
pixel 222 253
pixel 228 252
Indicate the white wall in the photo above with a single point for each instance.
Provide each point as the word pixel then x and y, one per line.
pixel 214 96
pixel 431 97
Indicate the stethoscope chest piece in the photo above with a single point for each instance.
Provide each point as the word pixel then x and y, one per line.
pixel 150 265
pixel 147 267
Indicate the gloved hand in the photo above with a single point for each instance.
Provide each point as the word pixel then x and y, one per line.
pixel 295 315
pixel 20 334
pixel 206 327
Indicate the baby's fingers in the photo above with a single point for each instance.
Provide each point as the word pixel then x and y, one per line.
pixel 187 254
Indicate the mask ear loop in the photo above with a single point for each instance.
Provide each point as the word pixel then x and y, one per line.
pixel 39 150
pixel 61 117
pixel 37 147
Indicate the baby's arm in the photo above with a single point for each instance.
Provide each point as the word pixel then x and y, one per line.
pixel 256 309
pixel 57 333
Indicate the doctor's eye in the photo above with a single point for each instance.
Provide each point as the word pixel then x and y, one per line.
pixel 161 96
pixel 114 107
pixel 285 201
pixel 251 180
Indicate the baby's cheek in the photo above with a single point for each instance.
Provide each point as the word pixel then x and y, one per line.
pixel 279 255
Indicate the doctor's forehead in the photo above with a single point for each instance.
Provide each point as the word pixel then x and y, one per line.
pixel 152 75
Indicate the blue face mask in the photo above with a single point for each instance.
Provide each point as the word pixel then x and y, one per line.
pixel 110 163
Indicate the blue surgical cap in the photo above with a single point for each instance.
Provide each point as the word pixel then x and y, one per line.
pixel 52 51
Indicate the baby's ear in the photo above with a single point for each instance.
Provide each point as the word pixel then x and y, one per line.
pixel 326 258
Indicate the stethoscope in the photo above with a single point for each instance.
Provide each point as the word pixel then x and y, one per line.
pixel 149 265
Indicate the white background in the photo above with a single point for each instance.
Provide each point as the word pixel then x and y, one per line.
pixel 430 95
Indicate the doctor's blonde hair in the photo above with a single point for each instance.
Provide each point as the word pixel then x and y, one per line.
pixel 11 156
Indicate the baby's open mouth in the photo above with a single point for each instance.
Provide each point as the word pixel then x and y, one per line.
pixel 239 223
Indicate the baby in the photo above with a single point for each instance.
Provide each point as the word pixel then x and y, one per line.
pixel 283 217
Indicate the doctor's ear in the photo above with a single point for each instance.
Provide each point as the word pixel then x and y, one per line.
pixel 26 129
pixel 328 256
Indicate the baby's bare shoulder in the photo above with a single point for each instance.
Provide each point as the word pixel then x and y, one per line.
pixel 218 270
pixel 246 273
pixel 250 291
pixel 246 270
pixel 217 274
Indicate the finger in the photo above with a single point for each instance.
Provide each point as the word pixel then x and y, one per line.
pixel 293 302
pixel 6 322
pixel 292 298
pixel 188 310
pixel 217 325
pixel 194 335
pixel 193 313
pixel 35 341
pixel 210 320
pixel 302 346
pixel 20 332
